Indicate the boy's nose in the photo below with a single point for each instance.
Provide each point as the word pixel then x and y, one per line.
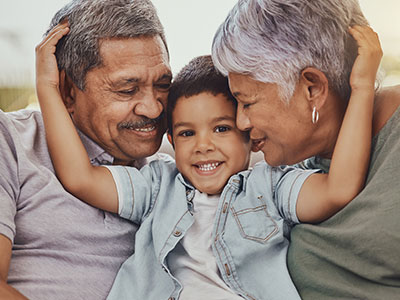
pixel 204 144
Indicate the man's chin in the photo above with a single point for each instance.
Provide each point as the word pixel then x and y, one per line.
pixel 137 150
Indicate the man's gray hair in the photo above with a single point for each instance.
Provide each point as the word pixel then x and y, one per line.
pixel 93 20
pixel 274 40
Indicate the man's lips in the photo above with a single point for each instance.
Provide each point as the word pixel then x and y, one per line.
pixel 142 126
pixel 145 129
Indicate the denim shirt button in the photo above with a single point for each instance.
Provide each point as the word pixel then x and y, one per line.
pixel 177 233
pixel 171 298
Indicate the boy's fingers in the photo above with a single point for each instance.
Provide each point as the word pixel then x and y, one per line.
pixel 365 32
pixel 53 37
pixel 365 35
pixel 56 29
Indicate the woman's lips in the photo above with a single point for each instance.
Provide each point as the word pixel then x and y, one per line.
pixel 257 144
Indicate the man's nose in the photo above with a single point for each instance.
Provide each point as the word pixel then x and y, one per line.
pixel 242 120
pixel 150 104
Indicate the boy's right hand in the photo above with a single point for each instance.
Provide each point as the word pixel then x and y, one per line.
pixel 366 65
pixel 47 74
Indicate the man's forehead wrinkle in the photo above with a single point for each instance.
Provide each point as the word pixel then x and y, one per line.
pixel 137 74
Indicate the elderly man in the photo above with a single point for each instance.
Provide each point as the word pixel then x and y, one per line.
pixel 115 77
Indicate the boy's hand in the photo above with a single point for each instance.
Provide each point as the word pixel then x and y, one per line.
pixel 369 56
pixel 47 75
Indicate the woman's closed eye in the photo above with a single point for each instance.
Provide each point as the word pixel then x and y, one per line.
pixel 246 105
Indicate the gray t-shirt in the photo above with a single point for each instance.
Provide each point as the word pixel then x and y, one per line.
pixel 62 247
pixel 355 254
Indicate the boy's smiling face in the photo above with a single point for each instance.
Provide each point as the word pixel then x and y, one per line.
pixel 208 146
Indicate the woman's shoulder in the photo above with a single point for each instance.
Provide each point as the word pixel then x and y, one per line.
pixel 386 103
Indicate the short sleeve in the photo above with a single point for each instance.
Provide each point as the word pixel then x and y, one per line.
pixel 135 190
pixel 9 180
pixel 288 183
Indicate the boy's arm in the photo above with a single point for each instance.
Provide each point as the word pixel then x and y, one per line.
pixel 322 195
pixel 94 185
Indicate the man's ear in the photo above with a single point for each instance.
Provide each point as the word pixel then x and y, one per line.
pixel 169 136
pixel 315 87
pixel 67 90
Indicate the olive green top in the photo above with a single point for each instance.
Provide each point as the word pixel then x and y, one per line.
pixel 356 253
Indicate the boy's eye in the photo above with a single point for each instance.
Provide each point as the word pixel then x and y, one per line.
pixel 222 128
pixel 186 133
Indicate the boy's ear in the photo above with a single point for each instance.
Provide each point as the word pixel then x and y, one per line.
pixel 67 90
pixel 169 136
pixel 315 86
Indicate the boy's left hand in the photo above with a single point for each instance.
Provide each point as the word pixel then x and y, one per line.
pixel 366 65
pixel 47 74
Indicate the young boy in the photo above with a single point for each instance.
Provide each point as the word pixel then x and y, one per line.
pixel 209 228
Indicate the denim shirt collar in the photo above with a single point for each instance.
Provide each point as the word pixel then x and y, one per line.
pixel 317 162
pixel 238 181
pixel 190 191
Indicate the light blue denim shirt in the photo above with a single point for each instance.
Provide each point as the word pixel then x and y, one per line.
pixel 255 212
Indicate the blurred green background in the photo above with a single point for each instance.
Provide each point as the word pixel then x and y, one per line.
pixel 13 98
pixel 21 96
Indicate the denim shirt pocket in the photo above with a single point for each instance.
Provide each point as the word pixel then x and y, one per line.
pixel 255 223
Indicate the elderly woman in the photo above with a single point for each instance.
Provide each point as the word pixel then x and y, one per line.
pixel 289 63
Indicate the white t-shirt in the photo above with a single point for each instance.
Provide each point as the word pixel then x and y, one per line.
pixel 193 263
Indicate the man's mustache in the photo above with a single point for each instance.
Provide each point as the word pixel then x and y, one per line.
pixel 143 122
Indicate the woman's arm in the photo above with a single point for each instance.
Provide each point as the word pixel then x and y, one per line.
pixel 94 185
pixel 322 195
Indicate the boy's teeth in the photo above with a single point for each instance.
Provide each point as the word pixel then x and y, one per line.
pixel 146 129
pixel 209 167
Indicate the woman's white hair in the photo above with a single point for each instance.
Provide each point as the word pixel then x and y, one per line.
pixel 274 40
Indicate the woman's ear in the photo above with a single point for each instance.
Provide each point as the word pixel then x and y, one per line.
pixel 67 90
pixel 316 87
pixel 170 140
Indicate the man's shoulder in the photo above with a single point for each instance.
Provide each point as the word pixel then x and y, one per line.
pixel 21 131
pixel 23 117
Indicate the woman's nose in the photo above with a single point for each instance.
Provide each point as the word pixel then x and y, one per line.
pixel 242 120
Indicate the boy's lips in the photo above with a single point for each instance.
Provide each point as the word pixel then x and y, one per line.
pixel 207 166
